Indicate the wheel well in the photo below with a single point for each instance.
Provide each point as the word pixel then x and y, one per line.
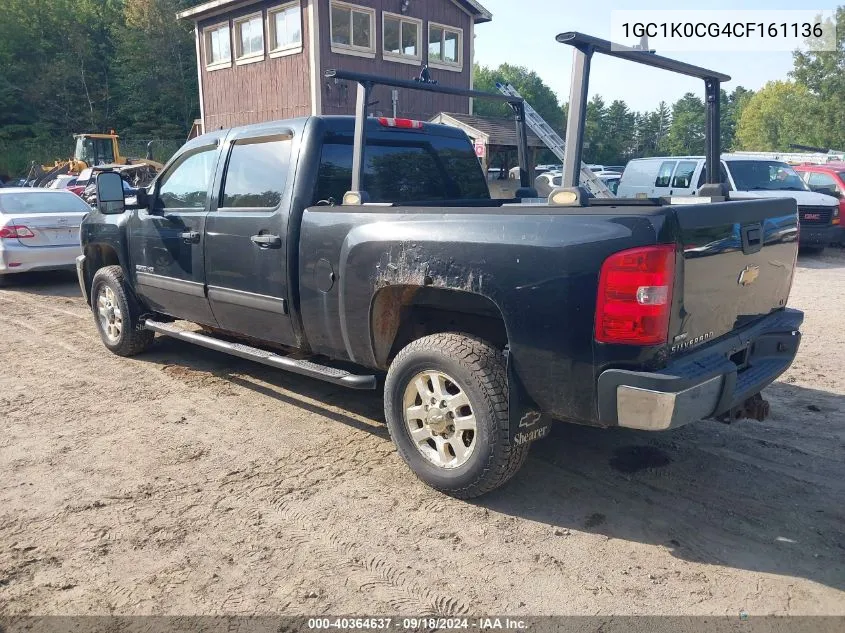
pixel 98 256
pixel 401 314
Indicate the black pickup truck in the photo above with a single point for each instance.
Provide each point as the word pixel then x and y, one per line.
pixel 486 319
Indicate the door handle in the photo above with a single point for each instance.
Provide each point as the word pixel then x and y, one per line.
pixel 190 237
pixel 265 240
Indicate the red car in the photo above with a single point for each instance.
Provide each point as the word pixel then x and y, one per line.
pixel 830 179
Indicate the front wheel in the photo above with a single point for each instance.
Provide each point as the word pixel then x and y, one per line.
pixel 446 404
pixel 117 313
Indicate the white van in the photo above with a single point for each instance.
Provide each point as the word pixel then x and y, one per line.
pixel 684 175
pixel 746 176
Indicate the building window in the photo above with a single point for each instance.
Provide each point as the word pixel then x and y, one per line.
pixel 445 47
pixel 285 28
pixel 218 48
pixel 249 39
pixel 353 29
pixel 402 37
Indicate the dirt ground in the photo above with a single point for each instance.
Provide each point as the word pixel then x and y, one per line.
pixel 187 482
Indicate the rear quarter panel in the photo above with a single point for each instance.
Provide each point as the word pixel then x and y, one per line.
pixel 540 268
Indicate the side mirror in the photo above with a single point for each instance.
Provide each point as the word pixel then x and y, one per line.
pixel 110 199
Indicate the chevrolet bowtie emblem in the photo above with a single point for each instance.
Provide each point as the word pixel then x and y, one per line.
pixel 749 275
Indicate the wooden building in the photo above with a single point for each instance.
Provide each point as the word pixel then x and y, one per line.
pixel 260 60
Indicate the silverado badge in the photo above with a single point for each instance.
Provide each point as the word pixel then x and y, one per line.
pixel 749 275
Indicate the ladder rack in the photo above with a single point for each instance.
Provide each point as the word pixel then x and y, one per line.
pixel 553 141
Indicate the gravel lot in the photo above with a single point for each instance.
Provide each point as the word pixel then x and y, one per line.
pixel 187 482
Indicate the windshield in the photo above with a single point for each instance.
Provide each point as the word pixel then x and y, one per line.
pixel 84 150
pixel 764 175
pixel 42 202
pixel 94 151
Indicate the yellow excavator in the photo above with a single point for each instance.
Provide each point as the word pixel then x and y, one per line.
pixel 92 150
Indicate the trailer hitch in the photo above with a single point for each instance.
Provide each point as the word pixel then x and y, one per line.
pixel 755 408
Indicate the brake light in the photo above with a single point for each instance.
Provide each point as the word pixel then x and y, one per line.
pixel 407 124
pixel 635 296
pixel 19 231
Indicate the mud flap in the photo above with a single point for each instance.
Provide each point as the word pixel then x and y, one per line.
pixel 527 423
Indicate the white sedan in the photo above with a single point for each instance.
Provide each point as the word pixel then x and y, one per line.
pixel 39 229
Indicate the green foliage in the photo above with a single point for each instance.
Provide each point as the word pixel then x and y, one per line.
pixel 528 83
pixel 823 73
pixel 781 113
pixel 70 66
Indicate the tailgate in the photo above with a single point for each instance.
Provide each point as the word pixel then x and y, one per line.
pixel 738 262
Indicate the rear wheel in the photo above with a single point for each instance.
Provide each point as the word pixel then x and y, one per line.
pixel 117 313
pixel 446 404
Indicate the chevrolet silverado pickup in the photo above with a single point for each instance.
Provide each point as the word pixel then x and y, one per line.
pixel 483 319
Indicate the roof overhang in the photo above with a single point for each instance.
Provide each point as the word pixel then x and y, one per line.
pixel 211 8
pixel 478 12
pixel 207 9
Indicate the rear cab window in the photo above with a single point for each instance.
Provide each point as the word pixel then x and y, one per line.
pixel 664 174
pixel 402 168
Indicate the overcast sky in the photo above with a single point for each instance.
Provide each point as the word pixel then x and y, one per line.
pixel 523 33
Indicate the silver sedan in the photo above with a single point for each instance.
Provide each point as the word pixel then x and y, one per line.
pixel 39 229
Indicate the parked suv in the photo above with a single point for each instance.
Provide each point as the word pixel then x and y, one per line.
pixel 828 179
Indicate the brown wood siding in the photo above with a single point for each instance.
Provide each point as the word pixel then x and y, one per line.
pixel 275 88
pixel 338 98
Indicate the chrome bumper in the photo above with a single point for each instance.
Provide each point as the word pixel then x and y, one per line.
pixel 80 275
pixel 650 410
pixel 705 383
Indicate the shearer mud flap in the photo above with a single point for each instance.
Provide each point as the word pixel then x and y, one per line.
pixel 527 423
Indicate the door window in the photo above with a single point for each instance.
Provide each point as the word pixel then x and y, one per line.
pixel 683 174
pixel 817 179
pixel 185 185
pixel 256 173
pixel 664 176
pixel 723 176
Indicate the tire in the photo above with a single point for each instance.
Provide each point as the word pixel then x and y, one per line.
pixel 117 313
pixel 486 458
pixel 811 250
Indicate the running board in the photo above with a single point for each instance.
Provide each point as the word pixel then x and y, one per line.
pixel 304 367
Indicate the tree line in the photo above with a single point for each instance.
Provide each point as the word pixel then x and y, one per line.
pixel 807 108
pixel 71 66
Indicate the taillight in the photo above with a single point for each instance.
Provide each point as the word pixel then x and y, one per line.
pixel 407 124
pixel 635 296
pixel 15 231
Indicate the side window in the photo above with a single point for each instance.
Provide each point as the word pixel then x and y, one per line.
pixel 722 172
pixel 664 176
pixel 683 174
pixel 185 185
pixel 821 180
pixel 256 173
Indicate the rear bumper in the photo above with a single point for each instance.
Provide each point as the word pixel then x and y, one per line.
pixel 20 259
pixel 705 383
pixel 811 235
